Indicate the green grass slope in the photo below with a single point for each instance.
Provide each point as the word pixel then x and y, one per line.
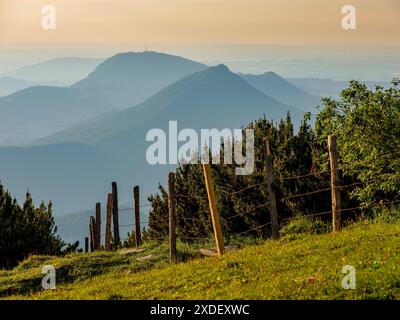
pixel 296 267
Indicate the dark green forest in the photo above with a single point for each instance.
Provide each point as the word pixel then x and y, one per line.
pixel 367 125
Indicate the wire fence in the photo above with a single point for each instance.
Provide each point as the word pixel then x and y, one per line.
pixel 209 237
pixel 250 212
pixel 263 205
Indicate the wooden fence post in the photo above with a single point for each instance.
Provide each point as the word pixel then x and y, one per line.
pixel 335 183
pixel 98 226
pixel 115 214
pixel 271 192
pixel 90 236
pixel 86 244
pixel 138 231
pixel 172 218
pixel 92 233
pixel 108 221
pixel 219 240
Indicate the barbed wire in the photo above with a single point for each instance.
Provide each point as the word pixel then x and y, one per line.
pixel 305 194
pixel 223 189
pixel 241 190
pixel 321 190
pixel 314 174
pixel 157 220
pixel 196 238
pixel 156 239
pixel 125 209
pixel 253 229
pixel 195 219
pixel 266 182
pixel 126 225
pixel 307 215
pixel 252 210
pixel 318 214
pixel 269 223
pixel 248 211
pixel 191 197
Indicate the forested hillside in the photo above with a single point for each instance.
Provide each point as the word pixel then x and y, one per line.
pixel 367 124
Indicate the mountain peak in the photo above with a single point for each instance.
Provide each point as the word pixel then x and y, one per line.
pixel 220 70
pixel 275 86
pixel 222 67
pixel 138 54
pixel 271 74
pixel 128 64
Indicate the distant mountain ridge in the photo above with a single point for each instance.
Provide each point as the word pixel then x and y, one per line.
pixel 54 72
pixel 58 71
pixel 214 97
pixel 112 147
pixel 328 87
pixel 129 78
pixel 142 64
pixel 39 111
pixel 75 166
pixel 275 86
pixel 9 85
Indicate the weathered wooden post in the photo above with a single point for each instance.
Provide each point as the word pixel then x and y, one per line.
pixel 172 218
pixel 92 234
pixel 98 226
pixel 138 232
pixel 219 240
pixel 115 214
pixel 270 189
pixel 108 222
pixel 86 244
pixel 335 183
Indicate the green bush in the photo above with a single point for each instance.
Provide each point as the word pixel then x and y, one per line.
pixel 306 225
pixel 367 124
pixel 386 215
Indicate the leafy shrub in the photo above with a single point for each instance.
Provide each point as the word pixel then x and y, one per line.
pixel 307 225
pixel 386 215
pixel 367 124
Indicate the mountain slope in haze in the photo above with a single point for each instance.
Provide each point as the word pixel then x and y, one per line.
pixel 121 81
pixel 278 88
pixel 66 174
pixel 128 78
pixel 10 85
pixel 41 110
pixel 328 87
pixel 212 98
pixel 58 71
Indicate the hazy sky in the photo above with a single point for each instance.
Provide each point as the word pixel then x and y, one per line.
pixel 247 35
pixel 200 21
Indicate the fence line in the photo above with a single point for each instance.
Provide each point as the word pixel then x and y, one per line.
pixel 200 200
pixel 261 206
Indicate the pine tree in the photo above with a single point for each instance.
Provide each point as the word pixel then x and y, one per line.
pixel 25 230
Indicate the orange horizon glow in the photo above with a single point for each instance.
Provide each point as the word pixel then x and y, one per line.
pixel 200 22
